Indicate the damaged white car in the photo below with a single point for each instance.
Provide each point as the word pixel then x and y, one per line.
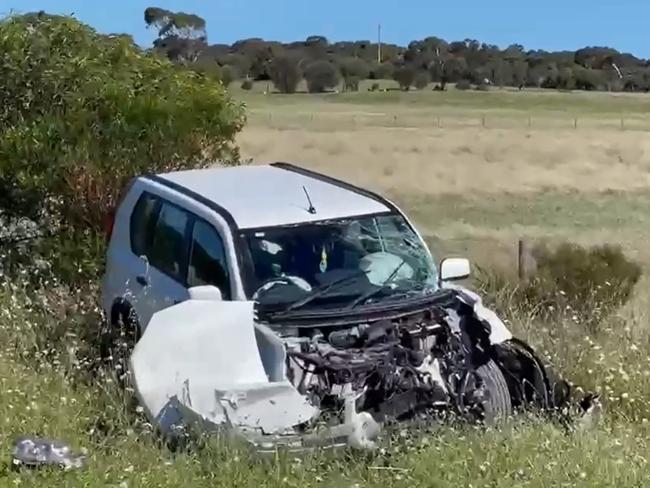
pixel 298 310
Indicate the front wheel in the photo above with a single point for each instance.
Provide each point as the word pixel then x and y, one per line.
pixel 485 394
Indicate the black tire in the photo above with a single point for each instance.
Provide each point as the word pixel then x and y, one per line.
pixel 123 334
pixel 497 404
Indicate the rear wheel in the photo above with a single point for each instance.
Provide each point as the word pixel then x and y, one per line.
pixel 120 339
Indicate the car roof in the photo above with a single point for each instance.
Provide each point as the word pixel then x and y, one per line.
pixel 268 195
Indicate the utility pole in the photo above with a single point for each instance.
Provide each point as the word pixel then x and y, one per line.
pixel 379 44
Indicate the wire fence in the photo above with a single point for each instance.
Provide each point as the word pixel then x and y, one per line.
pixel 430 120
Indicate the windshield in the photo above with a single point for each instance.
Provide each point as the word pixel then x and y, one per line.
pixel 346 262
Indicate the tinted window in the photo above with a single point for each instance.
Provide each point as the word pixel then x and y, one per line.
pixel 168 251
pixel 142 224
pixel 208 264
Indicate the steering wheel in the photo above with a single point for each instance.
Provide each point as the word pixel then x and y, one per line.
pixel 282 280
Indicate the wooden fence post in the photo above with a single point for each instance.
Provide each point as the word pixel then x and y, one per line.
pixel 526 261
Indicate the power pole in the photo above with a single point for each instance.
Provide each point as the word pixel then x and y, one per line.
pixel 379 44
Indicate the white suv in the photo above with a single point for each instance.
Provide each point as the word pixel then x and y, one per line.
pixel 344 297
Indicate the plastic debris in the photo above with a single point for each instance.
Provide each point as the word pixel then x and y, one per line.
pixel 35 452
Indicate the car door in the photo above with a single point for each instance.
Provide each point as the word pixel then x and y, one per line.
pixel 162 267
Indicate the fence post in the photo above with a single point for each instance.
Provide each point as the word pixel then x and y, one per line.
pixel 483 120
pixel 526 261
pixel 575 123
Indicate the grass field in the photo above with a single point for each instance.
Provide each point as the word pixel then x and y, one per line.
pixel 477 171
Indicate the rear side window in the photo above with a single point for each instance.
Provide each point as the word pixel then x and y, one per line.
pixel 143 221
pixel 168 251
pixel 207 265
pixel 159 231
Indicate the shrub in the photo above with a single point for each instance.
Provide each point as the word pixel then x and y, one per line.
pixel 375 87
pixel 463 85
pixel 353 70
pixel 285 74
pixel 247 85
pixel 383 71
pixel 404 76
pixel 82 113
pixel 227 74
pixel 589 284
pixel 421 80
pixel 321 76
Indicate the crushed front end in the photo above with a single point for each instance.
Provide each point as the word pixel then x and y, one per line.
pixel 314 380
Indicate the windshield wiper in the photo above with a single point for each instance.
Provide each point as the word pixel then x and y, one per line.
pixel 322 290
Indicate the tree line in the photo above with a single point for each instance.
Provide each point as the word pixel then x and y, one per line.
pixel 325 65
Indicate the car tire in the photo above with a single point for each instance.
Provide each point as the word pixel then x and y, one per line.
pixel 122 336
pixel 498 404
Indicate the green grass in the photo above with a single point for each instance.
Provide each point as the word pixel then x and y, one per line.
pixel 46 393
pixel 531 100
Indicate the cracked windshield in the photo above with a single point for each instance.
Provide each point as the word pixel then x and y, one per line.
pixel 348 262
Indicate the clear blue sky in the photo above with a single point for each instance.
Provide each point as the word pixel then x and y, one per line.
pixel 544 24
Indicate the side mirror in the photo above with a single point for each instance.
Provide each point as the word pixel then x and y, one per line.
pixel 453 269
pixel 206 293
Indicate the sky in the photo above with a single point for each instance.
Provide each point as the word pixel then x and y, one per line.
pixel 546 24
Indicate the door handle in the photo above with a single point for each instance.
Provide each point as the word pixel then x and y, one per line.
pixel 142 280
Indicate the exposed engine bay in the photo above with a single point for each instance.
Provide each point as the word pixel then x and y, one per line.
pixel 418 365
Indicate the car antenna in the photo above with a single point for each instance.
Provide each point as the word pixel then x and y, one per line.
pixel 311 209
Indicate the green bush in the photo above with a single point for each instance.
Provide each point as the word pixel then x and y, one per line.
pixel 286 74
pixel 587 284
pixel 405 76
pixel 422 79
pixel 82 113
pixel 247 85
pixel 321 76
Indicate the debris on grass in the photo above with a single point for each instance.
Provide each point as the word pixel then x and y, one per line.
pixel 36 452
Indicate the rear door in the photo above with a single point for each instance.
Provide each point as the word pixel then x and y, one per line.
pixel 160 250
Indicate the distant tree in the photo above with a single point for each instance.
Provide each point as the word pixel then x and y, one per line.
pixel 566 79
pixel 353 70
pixel 404 76
pixel 316 47
pixel 285 73
pixel 383 71
pixel 421 80
pixel 181 36
pixel 227 74
pixel 321 76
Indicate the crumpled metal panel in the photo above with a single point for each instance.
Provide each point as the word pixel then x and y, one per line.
pixel 204 356
pixel 499 333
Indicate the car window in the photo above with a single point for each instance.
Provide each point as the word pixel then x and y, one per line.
pixel 207 265
pixel 143 220
pixel 168 251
